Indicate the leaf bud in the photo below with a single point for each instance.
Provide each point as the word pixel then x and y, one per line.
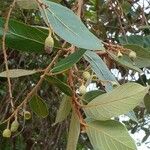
pixel 7 133
pixel 82 89
pixel 119 54
pixel 132 55
pixel 114 84
pixel 86 75
pixel 27 115
pixel 14 126
pixel 49 43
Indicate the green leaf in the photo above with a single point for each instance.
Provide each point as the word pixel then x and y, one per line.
pixel 143 55
pixel 68 62
pixel 140 51
pixel 100 68
pixel 89 96
pixel 120 100
pixel 74 131
pixel 69 27
pixel 23 37
pixel 27 4
pixel 147 102
pixel 61 85
pixel 142 41
pixel 109 135
pixel 15 73
pixel 38 106
pixel 64 109
pixel 125 61
pixel 133 39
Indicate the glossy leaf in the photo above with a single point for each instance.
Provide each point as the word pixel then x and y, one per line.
pixel 68 62
pixel 61 85
pixel 23 37
pixel 109 135
pixel 74 131
pixel 125 61
pixel 27 4
pixel 15 73
pixel 119 101
pixel 100 68
pixel 38 106
pixel 64 109
pixel 69 27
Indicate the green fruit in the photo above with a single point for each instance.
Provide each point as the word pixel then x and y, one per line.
pixel 82 89
pixel 114 84
pixel 132 55
pixel 27 115
pixel 49 44
pixel 119 54
pixel 86 75
pixel 7 133
pixel 14 126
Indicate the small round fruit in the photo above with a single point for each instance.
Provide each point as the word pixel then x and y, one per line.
pixel 49 44
pixel 86 75
pixel 7 133
pixel 119 54
pixel 114 84
pixel 132 55
pixel 27 115
pixel 14 126
pixel 82 89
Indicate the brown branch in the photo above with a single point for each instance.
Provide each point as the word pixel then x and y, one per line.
pixel 75 103
pixel 115 48
pixel 76 106
pixel 143 15
pixel 36 86
pixel 79 11
pixel 5 53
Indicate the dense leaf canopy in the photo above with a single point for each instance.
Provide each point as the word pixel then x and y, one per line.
pixel 68 92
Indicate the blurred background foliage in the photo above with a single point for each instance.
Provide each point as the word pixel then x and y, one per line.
pixel 115 21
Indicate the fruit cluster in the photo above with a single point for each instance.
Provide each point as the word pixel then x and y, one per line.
pixel 15 125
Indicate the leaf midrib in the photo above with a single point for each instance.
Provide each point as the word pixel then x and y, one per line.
pixel 69 62
pixel 30 39
pixel 95 64
pixel 39 106
pixel 103 103
pixel 59 19
pixel 105 133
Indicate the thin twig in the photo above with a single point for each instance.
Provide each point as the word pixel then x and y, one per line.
pixel 76 106
pixel 79 11
pixel 42 6
pixel 36 86
pixel 5 53
pixel 75 102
